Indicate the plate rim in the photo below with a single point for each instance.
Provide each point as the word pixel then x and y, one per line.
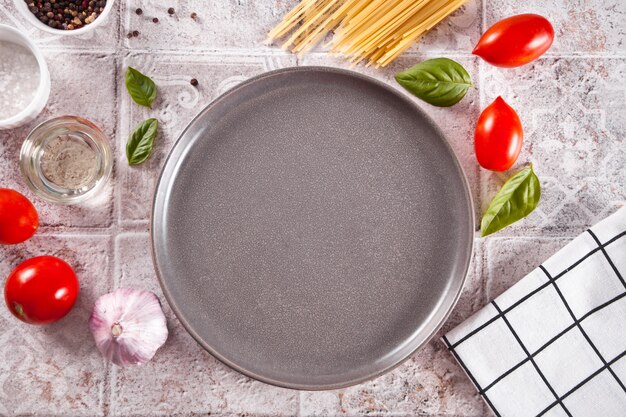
pixel 468 199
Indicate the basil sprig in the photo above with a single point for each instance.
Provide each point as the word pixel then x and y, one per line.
pixel 141 88
pixel 517 198
pixel 141 141
pixel 441 82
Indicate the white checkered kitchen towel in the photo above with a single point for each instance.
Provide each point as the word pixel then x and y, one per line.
pixel 554 344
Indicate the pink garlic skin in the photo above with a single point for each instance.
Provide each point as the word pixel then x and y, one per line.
pixel 128 326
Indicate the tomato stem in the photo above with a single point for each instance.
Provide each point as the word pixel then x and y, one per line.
pixel 20 310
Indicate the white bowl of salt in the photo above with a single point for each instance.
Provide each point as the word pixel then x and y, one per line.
pixel 24 79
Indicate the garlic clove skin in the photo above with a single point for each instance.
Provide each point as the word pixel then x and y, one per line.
pixel 128 326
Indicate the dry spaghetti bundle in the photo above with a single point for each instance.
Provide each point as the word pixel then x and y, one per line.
pixel 373 30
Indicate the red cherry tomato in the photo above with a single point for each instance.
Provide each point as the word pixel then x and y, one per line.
pixel 41 290
pixel 498 136
pixel 18 217
pixel 515 41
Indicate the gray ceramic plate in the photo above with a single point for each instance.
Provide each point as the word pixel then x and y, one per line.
pixel 312 228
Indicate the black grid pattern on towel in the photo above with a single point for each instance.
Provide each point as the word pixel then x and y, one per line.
pixel 606 363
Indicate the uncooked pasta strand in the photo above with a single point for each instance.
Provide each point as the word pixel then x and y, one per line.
pixel 376 31
pixel 411 36
pixel 374 39
pixel 352 33
pixel 287 23
pixel 310 20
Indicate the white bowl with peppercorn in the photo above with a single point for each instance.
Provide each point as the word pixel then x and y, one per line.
pixel 65 17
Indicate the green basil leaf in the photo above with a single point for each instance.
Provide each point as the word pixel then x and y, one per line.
pixel 517 198
pixel 141 141
pixel 441 82
pixel 141 88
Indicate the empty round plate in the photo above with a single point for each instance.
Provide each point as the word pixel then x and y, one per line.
pixel 312 228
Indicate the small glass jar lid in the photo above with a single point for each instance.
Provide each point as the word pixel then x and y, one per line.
pixel 66 160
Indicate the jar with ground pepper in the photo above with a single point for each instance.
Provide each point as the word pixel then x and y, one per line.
pixel 66 160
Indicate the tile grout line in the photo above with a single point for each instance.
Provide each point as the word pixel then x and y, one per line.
pixel 276 52
pixel 117 207
pixel 114 222
pixel 115 213
pixel 486 409
pixel 484 255
pixel 299 404
pixel 483 244
pixel 481 102
pixel 142 226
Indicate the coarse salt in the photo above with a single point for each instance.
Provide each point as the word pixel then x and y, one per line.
pixel 19 78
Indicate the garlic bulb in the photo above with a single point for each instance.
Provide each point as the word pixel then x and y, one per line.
pixel 128 326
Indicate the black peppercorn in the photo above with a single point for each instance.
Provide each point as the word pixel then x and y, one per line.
pixel 135 33
pixel 129 35
pixel 155 20
pixel 194 15
pixel 171 10
pixel 139 11
pixel 194 82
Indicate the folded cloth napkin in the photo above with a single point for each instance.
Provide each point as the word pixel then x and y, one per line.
pixel 554 344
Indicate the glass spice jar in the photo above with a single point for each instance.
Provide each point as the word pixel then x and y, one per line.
pixel 66 160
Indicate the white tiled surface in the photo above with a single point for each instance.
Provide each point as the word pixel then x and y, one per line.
pixel 572 103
